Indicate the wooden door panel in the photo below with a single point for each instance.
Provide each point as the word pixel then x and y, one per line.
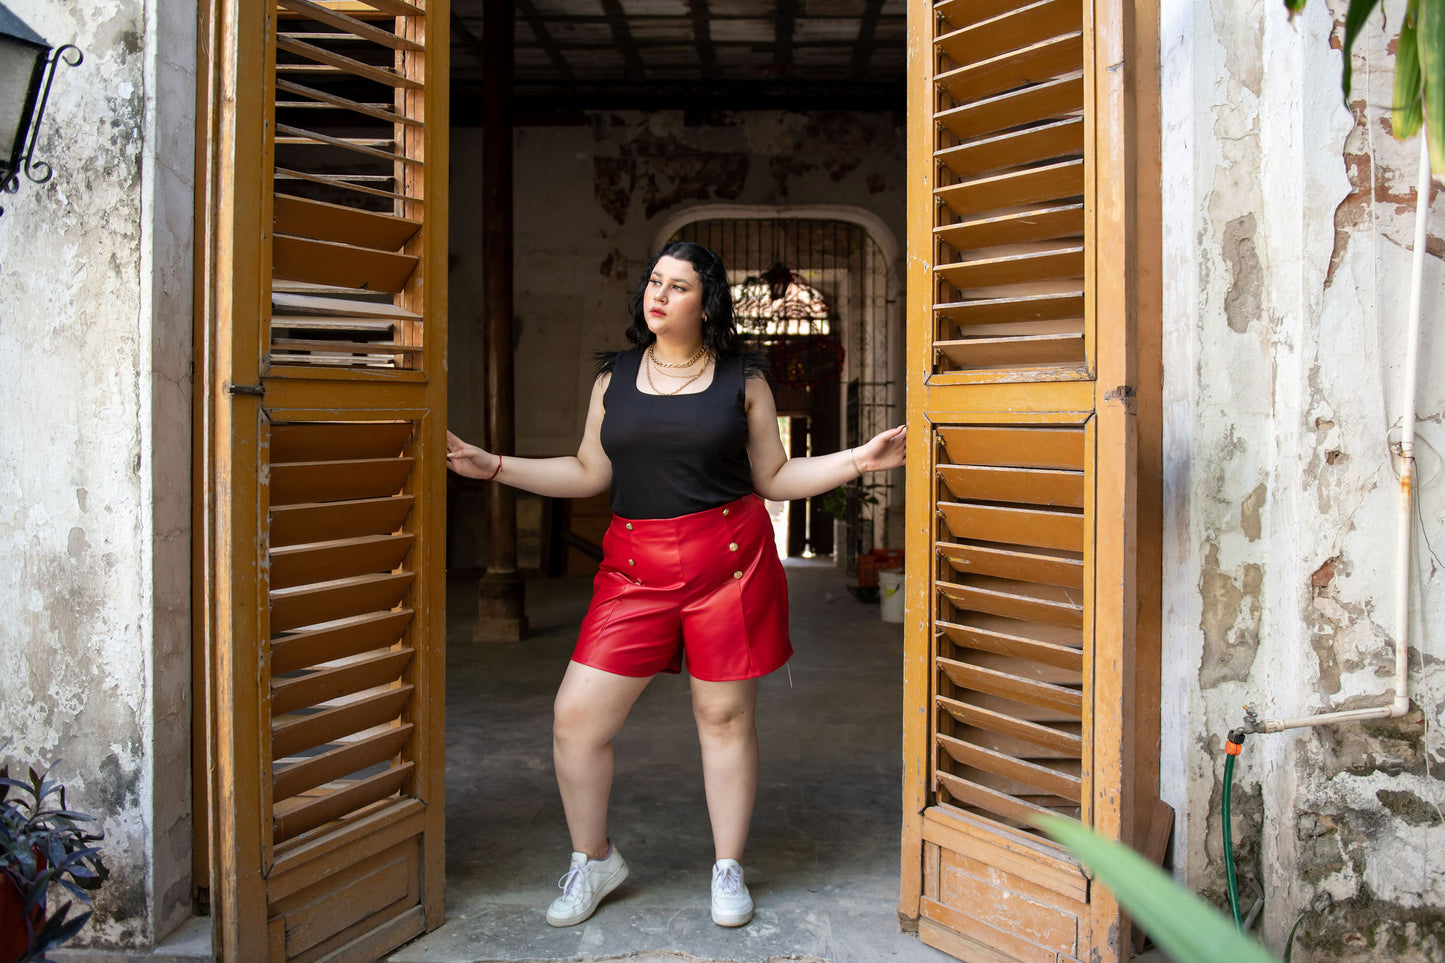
pixel 1021 487
pixel 329 233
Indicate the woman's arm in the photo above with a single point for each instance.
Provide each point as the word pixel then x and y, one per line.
pixel 587 473
pixel 780 478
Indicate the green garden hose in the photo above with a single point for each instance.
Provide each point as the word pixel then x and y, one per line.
pixel 1232 748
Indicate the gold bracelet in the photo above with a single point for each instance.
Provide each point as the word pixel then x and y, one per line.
pixel 854 460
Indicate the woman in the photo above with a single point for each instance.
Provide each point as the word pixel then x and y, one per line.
pixel 683 432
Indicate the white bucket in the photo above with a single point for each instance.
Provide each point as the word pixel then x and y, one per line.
pixel 890 594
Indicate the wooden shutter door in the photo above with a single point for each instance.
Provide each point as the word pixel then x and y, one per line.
pixel 1021 637
pixel 325 323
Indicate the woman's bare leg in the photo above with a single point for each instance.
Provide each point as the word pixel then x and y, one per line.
pixel 590 707
pixel 728 734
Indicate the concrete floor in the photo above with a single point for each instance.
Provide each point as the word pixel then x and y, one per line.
pixel 822 862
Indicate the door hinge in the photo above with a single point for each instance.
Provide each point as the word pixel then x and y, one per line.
pixel 257 390
pixel 1123 393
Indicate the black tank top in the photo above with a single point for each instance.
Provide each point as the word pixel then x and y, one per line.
pixel 674 455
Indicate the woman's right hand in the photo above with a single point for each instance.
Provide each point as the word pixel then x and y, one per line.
pixel 469 460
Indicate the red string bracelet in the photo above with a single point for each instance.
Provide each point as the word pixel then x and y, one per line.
pixel 498 471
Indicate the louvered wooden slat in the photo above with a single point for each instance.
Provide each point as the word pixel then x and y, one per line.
pixel 1048 633
pixel 1039 307
pixel 1063 784
pixel 1029 602
pixel 293 524
pixel 1038 223
pixel 299 814
pixel 330 262
pixel 395 8
pixel 1024 351
pixel 1024 25
pixel 359 9
pixel 1014 788
pixel 1017 267
pixel 381 330
pixel 1010 746
pixel 1012 687
pixel 1032 64
pixel 1021 447
pixel 347 183
pixel 323 685
pixel 308 305
pixel 1048 182
pixel 1046 528
pixel 322 97
pixel 324 481
pixel 1033 486
pixel 313 604
pixel 1071 678
pixel 340 441
pixel 375 630
pixel 292 734
pixel 320 220
pixel 1017 644
pixel 323 562
pixel 343 63
pixel 1031 145
pixel 1044 715
pixel 1057 738
pixel 1024 562
pixel 351 756
pixel 368 146
pixel 960 13
pixel 349 24
pixel 989 800
pixel 305 346
pixel 1025 106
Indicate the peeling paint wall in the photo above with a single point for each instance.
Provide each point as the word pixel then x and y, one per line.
pixel 95 351
pixel 1288 220
pixel 591 195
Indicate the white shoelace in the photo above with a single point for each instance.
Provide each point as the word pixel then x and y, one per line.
pixel 729 880
pixel 572 881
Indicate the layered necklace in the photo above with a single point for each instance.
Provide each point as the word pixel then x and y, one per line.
pixel 652 360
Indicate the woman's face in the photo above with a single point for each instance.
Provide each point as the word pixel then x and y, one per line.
pixel 672 303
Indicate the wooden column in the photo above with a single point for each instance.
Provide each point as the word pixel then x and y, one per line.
pixel 499 594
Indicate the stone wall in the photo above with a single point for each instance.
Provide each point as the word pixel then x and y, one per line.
pixel 1288 222
pixel 95 351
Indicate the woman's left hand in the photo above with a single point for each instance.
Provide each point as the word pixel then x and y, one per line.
pixel 883 451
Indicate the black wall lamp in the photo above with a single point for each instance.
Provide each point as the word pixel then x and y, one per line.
pixel 27 66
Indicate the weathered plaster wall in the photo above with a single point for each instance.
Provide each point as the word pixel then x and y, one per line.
pixel 1288 222
pixel 95 349
pixel 590 198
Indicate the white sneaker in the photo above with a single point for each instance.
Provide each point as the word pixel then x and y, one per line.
pixel 731 904
pixel 584 885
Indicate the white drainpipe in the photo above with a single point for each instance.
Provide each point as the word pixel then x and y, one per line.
pixel 1403 544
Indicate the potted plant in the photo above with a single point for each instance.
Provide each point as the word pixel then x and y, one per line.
pixel 42 843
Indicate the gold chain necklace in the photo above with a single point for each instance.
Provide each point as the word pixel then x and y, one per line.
pixel 668 364
pixel 648 369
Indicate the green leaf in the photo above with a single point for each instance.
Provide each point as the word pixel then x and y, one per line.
pixel 1186 928
pixel 1432 72
pixel 1408 109
pixel 1294 7
pixel 1355 18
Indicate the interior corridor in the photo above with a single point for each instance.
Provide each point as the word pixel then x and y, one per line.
pixel 823 857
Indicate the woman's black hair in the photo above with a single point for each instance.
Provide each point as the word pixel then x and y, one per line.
pixel 719 326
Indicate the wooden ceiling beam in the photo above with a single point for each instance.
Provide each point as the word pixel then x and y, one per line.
pixel 783 43
pixel 545 39
pixel 702 36
pixel 867 29
pixel 626 45
pixel 538 103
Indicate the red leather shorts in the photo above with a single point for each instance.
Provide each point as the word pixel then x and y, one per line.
pixel 708 585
